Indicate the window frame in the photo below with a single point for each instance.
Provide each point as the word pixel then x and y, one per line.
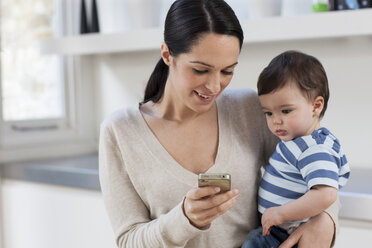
pixel 72 134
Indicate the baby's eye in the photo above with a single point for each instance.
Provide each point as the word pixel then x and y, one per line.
pixel 199 71
pixel 286 111
pixel 268 113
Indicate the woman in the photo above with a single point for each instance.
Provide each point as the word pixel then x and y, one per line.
pixel 150 154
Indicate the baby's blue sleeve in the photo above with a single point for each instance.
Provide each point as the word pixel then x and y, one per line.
pixel 320 165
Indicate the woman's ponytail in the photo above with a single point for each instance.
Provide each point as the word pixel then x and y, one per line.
pixel 156 83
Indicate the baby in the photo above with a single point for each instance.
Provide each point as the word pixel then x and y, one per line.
pixel 308 166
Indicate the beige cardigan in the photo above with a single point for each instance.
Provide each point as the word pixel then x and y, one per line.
pixel 143 186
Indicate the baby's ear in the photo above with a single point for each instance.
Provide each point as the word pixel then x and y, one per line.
pixel 318 105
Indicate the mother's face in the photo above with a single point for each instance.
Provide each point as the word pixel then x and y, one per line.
pixel 196 78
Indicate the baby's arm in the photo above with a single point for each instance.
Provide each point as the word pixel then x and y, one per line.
pixel 315 201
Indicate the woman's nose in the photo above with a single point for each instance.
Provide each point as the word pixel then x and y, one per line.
pixel 214 84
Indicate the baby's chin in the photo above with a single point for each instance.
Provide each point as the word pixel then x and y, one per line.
pixel 285 138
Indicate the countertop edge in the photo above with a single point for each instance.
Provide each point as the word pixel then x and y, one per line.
pixel 78 172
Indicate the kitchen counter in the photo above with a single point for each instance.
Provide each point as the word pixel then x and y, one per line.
pixel 356 196
pixel 82 172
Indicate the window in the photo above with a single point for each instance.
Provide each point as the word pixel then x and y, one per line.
pixel 30 88
pixel 38 92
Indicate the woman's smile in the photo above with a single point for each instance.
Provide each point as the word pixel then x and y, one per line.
pixel 204 97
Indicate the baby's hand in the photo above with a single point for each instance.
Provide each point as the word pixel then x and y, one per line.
pixel 271 217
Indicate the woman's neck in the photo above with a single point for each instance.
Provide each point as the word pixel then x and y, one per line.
pixel 169 111
pixel 174 111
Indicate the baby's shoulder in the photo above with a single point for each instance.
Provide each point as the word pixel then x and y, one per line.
pixel 321 141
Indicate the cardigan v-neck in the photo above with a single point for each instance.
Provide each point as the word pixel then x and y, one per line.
pixel 169 163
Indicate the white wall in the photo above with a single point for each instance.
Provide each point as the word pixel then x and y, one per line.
pixel 1 218
pixel 120 80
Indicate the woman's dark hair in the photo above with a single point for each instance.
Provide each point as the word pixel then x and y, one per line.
pixel 186 22
pixel 295 67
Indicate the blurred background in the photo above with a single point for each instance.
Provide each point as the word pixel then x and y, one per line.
pixel 67 64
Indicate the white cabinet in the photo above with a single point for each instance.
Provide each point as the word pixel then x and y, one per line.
pixel 354 234
pixel 44 216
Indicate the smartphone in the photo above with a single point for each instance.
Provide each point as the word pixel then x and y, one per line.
pixel 221 180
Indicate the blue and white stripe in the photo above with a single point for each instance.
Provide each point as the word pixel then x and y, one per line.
pixel 300 164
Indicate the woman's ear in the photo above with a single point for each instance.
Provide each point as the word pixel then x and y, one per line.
pixel 165 54
pixel 318 105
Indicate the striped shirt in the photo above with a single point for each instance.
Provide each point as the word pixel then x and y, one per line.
pixel 300 164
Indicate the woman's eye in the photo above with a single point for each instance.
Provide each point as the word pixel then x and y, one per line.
pixel 286 111
pixel 227 72
pixel 199 71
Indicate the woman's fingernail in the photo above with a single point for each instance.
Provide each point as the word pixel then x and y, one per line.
pixel 217 189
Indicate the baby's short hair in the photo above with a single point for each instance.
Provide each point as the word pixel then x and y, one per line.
pixel 299 68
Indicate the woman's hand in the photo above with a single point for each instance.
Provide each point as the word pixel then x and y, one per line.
pixel 317 232
pixel 202 205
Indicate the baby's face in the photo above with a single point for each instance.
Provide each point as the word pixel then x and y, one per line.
pixel 289 113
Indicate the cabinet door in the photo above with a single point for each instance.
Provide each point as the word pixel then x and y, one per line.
pixel 44 216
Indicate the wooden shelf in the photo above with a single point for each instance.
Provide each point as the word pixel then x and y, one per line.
pixel 313 26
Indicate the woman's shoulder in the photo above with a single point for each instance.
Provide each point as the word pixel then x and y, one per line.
pixel 239 94
pixel 240 99
pixel 121 118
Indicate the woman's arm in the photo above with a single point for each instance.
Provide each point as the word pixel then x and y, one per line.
pixel 315 201
pixel 317 232
pixel 320 231
pixel 128 213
